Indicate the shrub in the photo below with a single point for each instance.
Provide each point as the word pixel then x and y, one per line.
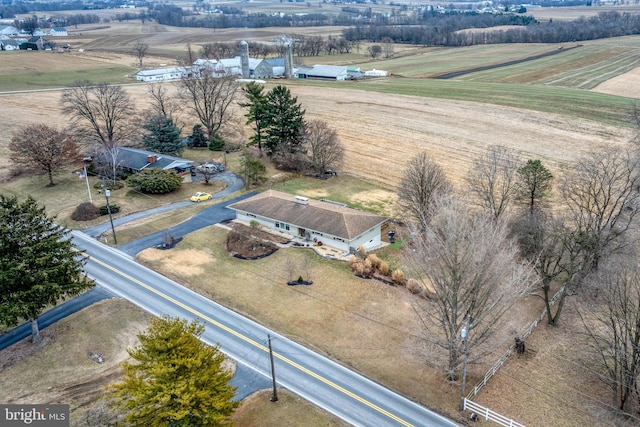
pixel 352 261
pixel 155 181
pixel 383 268
pixel 415 287
pixel 358 268
pixel 105 211
pixel 367 267
pixel 254 224
pixel 398 277
pixel 375 261
pixel 217 143
pixel 85 212
pixel 362 251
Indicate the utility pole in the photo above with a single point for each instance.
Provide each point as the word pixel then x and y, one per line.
pixel 107 193
pixel 465 336
pixel 86 178
pixel 274 396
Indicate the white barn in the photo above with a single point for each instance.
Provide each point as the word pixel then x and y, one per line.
pixel 330 223
pixel 326 72
pixel 160 74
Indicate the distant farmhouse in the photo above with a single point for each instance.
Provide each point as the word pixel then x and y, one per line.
pixel 325 222
pixel 58 32
pixel 10 44
pixel 8 30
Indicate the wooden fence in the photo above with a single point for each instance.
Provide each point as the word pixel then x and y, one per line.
pixel 486 413
pixel 491 372
pixel 489 415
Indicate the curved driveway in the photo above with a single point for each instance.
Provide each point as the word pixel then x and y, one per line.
pixel 233 181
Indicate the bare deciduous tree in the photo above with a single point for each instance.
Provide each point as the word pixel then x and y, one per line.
pixel 163 104
pixel 100 113
pixel 210 97
pixel 325 150
pixel 387 47
pixel 613 326
pixel 40 148
pixel 423 183
pixel 472 267
pixel 550 247
pixel 140 50
pixel 374 51
pixel 492 179
pixel 602 198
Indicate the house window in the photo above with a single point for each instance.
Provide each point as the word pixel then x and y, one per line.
pixel 282 225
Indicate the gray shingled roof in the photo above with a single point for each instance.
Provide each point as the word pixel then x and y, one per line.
pixel 136 159
pixel 324 217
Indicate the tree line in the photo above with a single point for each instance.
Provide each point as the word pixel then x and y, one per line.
pixel 444 30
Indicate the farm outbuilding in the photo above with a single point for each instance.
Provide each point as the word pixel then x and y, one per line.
pixel 8 30
pixel 327 72
pixel 58 32
pixel 161 74
pixel 319 221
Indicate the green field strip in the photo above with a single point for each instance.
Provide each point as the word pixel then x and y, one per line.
pixel 40 80
pixel 578 103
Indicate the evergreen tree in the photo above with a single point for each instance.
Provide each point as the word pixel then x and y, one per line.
pixel 197 138
pixel 217 143
pixel 534 182
pixel 175 379
pixel 284 122
pixel 257 105
pixel 252 169
pixel 163 136
pixel 38 265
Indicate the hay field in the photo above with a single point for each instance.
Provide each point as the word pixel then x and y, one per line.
pixel 381 132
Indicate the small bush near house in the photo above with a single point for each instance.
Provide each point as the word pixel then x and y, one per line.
pixel 217 143
pixel 398 277
pixel 105 211
pixel 414 286
pixel 155 181
pixel 85 212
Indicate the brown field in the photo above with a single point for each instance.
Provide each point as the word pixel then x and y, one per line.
pixel 623 85
pixel 381 131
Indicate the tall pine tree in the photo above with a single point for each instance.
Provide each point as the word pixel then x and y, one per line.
pixel 257 105
pixel 163 136
pixel 175 379
pixel 38 264
pixel 284 123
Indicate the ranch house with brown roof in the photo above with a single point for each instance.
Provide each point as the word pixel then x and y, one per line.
pixel 324 221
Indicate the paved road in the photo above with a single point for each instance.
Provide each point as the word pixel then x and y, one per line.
pixel 58 312
pixel 340 391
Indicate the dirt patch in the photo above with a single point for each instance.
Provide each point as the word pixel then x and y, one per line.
pixel 187 262
pixel 251 242
pixel 623 85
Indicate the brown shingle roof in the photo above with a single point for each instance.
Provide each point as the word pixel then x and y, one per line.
pixel 324 217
